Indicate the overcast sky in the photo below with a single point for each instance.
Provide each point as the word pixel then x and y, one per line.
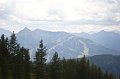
pixel 60 15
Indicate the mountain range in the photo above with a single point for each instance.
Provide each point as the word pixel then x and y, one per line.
pixel 69 45
pixel 107 39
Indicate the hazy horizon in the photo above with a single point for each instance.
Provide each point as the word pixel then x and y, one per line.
pixel 91 32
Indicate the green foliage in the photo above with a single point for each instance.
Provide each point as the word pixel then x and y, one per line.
pixel 13 44
pixel 40 60
pixel 14 60
pixel 4 55
pixel 55 71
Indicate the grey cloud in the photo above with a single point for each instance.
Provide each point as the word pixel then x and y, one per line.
pixel 90 22
pixel 6 11
pixel 56 13
pixel 4 14
pixel 110 1
pixel 108 20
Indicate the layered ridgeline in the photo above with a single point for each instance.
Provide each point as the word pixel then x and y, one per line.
pixel 70 45
pixel 107 39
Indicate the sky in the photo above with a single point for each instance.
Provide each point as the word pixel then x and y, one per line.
pixel 60 15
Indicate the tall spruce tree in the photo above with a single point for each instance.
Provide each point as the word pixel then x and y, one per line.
pixel 40 65
pixel 83 68
pixel 4 55
pixel 20 63
pixel 23 63
pixel 55 67
pixel 27 65
pixel 13 44
pixel 63 68
pixel 13 49
pixel 0 59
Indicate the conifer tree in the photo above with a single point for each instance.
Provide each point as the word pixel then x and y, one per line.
pixel 0 60
pixel 20 63
pixel 27 64
pixel 13 49
pixel 40 65
pixel 83 68
pixel 23 63
pixel 13 44
pixel 55 67
pixel 3 58
pixel 63 69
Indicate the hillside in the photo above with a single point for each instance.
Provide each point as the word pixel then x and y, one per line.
pixel 108 63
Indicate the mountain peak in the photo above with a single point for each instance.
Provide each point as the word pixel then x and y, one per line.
pixel 25 30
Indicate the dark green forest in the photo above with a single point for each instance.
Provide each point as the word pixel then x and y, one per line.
pixel 15 63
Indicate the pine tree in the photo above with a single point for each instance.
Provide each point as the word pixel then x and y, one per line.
pixel 0 63
pixel 40 60
pixel 0 60
pixel 23 63
pixel 13 49
pixel 27 64
pixel 13 44
pixel 71 68
pixel 83 68
pixel 20 63
pixel 55 67
pixel 63 68
pixel 4 54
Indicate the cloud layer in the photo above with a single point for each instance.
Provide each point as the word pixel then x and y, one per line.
pixel 60 15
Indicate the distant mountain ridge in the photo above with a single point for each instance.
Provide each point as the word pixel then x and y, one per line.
pixel 110 40
pixel 6 32
pixel 67 45
pixel 109 63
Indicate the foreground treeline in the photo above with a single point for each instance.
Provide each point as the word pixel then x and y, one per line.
pixel 15 64
pixel 14 59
